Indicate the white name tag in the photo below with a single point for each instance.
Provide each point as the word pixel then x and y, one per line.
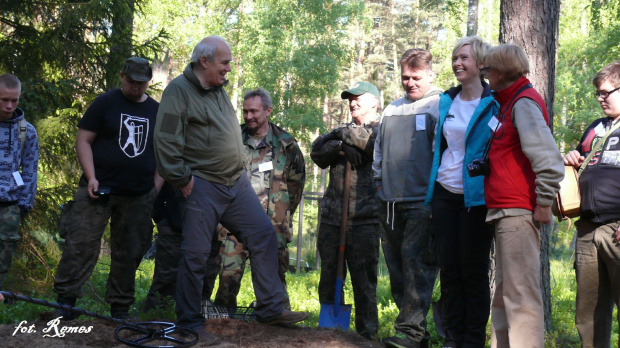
pixel 420 122
pixel 265 166
pixel 493 123
pixel 18 179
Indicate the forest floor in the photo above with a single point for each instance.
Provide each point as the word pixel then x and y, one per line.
pixel 44 332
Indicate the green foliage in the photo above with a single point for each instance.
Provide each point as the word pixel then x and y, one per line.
pixel 589 39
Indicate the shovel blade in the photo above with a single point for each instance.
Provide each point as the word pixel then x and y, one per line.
pixel 329 319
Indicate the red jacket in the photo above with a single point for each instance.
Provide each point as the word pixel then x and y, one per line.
pixel 511 181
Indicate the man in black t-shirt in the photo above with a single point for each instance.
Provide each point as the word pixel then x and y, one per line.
pixel 114 145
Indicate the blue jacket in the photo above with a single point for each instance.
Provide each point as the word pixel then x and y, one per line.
pixel 476 138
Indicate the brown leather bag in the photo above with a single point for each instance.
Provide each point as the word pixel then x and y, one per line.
pixel 568 200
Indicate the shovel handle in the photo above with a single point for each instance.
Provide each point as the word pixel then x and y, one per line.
pixel 343 222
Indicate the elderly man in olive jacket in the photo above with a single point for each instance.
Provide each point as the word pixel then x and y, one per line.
pixel 200 152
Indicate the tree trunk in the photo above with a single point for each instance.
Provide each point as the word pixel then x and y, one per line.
pixel 533 25
pixel 472 18
pixel 120 38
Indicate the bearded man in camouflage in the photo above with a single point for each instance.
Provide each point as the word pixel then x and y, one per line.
pixel 353 143
pixel 275 166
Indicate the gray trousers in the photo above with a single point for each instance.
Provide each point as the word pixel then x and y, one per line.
pixel 237 208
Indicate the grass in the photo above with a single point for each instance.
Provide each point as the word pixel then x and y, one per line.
pixel 303 293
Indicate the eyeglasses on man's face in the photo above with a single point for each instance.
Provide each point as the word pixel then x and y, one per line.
pixel 605 94
pixel 485 70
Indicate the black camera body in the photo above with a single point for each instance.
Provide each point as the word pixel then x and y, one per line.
pixel 479 166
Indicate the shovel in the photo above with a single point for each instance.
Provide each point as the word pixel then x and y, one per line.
pixel 338 315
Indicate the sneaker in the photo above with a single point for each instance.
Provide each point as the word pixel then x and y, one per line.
pixel 205 338
pixel 287 317
pixel 400 340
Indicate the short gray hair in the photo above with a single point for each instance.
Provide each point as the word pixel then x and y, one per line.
pixel 262 93
pixel 206 48
pixel 10 81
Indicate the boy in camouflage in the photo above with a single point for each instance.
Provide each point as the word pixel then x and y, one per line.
pixel 18 170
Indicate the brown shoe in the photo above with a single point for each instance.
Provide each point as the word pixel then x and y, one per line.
pixel 288 317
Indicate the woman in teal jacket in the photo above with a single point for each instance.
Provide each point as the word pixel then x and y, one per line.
pixel 457 200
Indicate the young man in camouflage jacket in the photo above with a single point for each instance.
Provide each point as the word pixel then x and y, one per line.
pixel 275 166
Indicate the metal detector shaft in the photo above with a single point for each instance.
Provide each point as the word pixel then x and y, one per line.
pixel 11 295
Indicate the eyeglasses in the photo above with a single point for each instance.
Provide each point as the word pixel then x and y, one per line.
pixel 485 70
pixel 605 94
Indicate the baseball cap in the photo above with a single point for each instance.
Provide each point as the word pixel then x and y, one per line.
pixel 138 69
pixel 361 88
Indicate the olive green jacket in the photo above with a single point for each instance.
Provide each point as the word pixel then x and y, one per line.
pixel 197 133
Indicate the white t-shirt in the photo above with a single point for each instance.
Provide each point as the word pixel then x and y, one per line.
pixel 450 174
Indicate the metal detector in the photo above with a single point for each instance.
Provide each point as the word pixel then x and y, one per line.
pixel 145 332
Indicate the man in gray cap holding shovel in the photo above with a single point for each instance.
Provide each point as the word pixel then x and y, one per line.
pixel 353 143
pixel 114 146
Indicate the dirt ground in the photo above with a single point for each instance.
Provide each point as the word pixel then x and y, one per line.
pixel 231 333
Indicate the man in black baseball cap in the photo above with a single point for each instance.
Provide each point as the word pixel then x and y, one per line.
pixel 137 69
pixel 114 146
pixel 353 143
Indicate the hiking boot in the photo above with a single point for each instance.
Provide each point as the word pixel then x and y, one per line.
pixel 287 317
pixel 400 340
pixel 205 338
pixel 66 315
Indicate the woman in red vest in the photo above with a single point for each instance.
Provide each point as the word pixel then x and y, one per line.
pixel 526 168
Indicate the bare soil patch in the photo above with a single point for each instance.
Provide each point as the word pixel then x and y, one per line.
pixel 230 332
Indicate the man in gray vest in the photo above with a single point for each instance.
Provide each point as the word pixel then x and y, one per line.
pixel 402 166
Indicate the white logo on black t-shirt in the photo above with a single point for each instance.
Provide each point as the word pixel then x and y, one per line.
pixel 133 134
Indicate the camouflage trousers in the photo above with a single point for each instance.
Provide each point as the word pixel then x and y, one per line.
pixel 411 256
pixel 167 256
pixel 131 232
pixel 9 237
pixel 231 262
pixel 362 257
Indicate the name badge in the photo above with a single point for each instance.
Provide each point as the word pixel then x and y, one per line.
pixel 493 123
pixel 265 166
pixel 18 179
pixel 420 122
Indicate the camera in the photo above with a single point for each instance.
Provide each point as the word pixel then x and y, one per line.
pixel 103 191
pixel 479 166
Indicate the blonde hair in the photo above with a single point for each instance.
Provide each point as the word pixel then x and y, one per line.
pixel 477 47
pixel 509 60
